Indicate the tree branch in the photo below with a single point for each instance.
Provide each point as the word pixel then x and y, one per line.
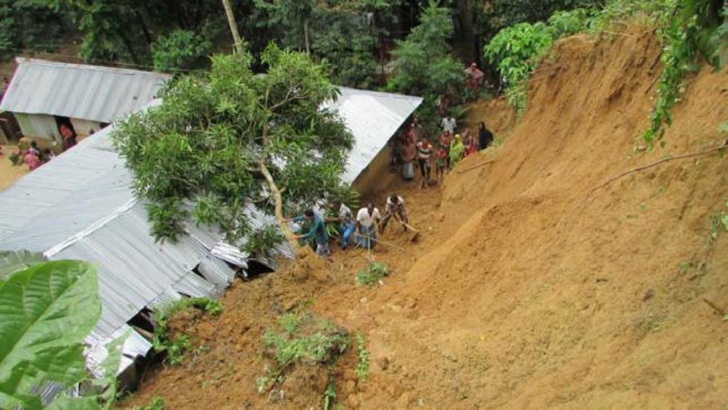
pixel 654 164
pixel 278 203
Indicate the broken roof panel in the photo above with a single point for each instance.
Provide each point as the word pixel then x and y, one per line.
pixel 95 93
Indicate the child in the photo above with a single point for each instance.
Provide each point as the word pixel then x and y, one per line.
pixel 441 162
pixel 32 160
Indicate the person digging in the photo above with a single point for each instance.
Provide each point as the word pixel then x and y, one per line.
pixel 317 230
pixel 394 208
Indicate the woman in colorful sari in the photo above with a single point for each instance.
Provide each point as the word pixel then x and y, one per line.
pixel 456 150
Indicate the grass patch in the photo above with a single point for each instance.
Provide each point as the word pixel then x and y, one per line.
pixel 374 272
pixel 301 338
pixel 362 366
pixel 178 345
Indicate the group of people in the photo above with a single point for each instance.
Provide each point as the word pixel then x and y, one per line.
pixel 354 231
pixel 412 149
pixel 34 157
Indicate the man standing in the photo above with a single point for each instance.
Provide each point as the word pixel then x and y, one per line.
pixel 366 220
pixel 424 151
pixel 346 222
pixel 395 207
pixel 317 230
pixel 449 124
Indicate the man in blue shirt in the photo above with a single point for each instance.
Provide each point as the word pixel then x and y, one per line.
pixel 317 230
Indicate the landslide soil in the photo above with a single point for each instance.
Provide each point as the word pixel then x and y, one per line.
pixel 524 290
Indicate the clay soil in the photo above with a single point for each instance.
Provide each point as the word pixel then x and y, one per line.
pixel 9 173
pixel 524 290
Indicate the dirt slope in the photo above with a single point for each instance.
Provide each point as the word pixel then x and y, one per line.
pixel 523 292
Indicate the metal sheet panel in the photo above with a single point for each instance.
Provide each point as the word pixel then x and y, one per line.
pixel 80 206
pixel 96 93
pixel 373 118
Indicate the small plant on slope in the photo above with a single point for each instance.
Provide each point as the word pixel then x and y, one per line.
pixel 180 343
pixel 362 367
pixel 374 272
pixel 301 339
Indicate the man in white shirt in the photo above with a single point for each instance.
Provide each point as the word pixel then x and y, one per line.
pixel 346 222
pixel 449 124
pixel 366 221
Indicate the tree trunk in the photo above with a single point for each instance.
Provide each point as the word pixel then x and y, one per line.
pixel 278 198
pixel 305 36
pixel 233 26
pixel 143 25
pixel 465 32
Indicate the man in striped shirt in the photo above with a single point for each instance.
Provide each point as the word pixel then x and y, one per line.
pixel 424 152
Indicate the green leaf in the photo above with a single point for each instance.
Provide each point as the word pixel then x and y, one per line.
pixel 45 313
pixel 13 261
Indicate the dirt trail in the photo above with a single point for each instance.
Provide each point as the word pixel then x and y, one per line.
pixel 522 293
pixel 9 173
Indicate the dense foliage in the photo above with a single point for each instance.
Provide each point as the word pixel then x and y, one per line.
pixel 28 24
pixel 697 30
pixel 46 311
pixel 345 33
pixel 423 64
pixel 689 29
pixel 517 50
pixel 181 50
pixel 223 139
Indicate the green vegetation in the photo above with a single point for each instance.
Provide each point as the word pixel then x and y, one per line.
pixel 28 24
pixel 689 30
pixel 157 403
pixel 59 305
pixel 181 50
pixel 696 30
pixel 517 51
pixel 718 223
pixel 423 63
pixel 362 366
pixel 374 272
pixel 180 344
pixel 305 339
pixel 223 139
pixel 343 33
pixel 13 261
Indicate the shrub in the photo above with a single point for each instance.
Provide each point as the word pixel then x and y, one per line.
pixel 302 338
pixel 516 51
pixel 181 50
pixel 374 273
pixel 179 344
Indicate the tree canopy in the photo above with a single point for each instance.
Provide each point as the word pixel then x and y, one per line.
pixel 228 137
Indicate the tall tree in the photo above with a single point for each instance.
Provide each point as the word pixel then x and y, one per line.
pixel 221 140
pixel 423 64
pixel 237 41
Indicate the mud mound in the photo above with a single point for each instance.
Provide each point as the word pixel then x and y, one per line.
pixel 308 265
pixel 545 297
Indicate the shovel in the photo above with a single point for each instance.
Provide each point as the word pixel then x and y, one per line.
pixel 416 234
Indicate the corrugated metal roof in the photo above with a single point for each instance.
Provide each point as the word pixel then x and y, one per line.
pixel 81 206
pixel 373 117
pixel 102 94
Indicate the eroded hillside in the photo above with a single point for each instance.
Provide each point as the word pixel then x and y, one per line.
pixel 529 288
